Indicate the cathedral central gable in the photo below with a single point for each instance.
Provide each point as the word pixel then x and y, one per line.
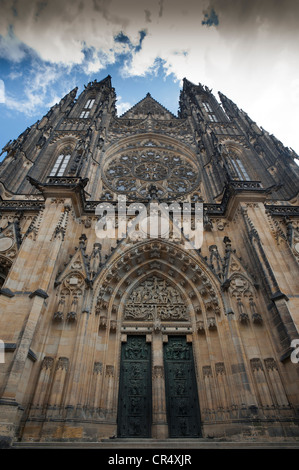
pixel 148 106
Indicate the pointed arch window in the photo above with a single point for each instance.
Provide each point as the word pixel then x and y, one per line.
pixel 90 103
pixel 210 112
pixel 237 168
pixel 212 117
pixel 86 110
pixel 84 114
pixel 207 107
pixel 60 165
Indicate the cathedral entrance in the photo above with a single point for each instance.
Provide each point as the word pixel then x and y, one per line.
pixel 135 394
pixel 158 389
pixel 181 389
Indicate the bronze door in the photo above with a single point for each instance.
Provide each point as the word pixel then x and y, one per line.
pixel 181 389
pixel 135 397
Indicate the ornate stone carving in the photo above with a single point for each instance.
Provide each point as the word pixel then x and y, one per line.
pixel 98 368
pixel 207 371
pixel 158 372
pixel 63 363
pixel 103 322
pixel 58 315
pixel 134 171
pixel 257 318
pixel 256 364
pixel 155 298
pixel 71 315
pixel 200 326
pixel 220 368
pixel 47 362
pixel 244 317
pixel 212 323
pixel 109 371
pixel 271 364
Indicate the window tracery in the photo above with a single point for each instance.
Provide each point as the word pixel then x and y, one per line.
pixel 60 164
pixel 87 107
pixel 133 172
pixel 234 163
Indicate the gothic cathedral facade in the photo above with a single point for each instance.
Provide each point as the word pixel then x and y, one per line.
pixel 141 334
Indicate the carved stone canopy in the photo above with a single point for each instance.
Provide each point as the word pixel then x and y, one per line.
pixel 155 299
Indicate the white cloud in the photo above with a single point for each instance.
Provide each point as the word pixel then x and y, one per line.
pixel 11 48
pixel 122 107
pixel 37 90
pixel 251 56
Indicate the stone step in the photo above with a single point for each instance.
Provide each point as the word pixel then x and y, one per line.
pixel 160 444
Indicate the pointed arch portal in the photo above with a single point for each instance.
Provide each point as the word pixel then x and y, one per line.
pixel 157 295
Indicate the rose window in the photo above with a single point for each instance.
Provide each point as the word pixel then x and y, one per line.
pixel 134 172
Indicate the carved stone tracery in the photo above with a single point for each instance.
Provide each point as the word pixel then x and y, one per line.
pixel 133 171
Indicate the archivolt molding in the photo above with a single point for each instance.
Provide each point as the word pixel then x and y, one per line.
pixel 142 140
pixel 197 287
pixel 235 143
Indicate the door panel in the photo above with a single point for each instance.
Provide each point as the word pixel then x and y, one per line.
pixel 135 397
pixel 181 389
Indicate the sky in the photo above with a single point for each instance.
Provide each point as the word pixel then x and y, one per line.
pixel 246 49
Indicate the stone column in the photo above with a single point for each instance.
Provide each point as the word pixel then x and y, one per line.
pixel 159 419
pixel 43 387
pixel 74 394
pixel 209 411
pixel 221 387
pixel 276 383
pixel 261 384
pixel 97 385
pixel 240 373
pixel 56 395
pixel 107 398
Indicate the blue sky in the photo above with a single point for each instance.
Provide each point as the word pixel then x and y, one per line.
pixel 248 50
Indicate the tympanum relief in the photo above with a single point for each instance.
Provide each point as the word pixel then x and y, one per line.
pixel 155 299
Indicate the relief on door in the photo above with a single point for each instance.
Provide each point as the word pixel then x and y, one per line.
pixel 134 406
pixel 181 389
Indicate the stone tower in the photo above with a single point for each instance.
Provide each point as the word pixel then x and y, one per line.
pixel 110 328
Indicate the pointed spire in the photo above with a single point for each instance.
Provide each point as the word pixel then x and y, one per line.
pixel 189 85
pixel 228 105
pixel 68 99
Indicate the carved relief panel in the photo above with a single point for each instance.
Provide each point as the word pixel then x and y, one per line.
pixel 155 299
